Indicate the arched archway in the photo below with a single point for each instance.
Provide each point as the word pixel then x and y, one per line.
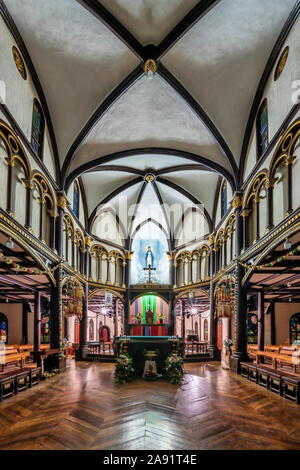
pixel 104 333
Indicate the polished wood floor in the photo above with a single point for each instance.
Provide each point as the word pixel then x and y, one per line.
pixel 84 409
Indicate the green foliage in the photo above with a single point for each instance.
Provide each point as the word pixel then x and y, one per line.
pixel 123 370
pixel 174 368
pixel 48 375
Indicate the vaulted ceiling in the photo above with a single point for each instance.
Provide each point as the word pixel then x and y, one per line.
pixel 113 125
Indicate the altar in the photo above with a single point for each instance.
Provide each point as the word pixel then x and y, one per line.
pixel 138 347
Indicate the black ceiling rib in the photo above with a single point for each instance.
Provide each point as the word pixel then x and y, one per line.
pixel 150 220
pixel 112 195
pixel 136 208
pixel 169 78
pixel 84 202
pixel 161 202
pixel 98 114
pixel 149 151
pixel 184 215
pixel 125 169
pixel 192 17
pixel 100 12
pixel 189 196
pixel 119 222
pixel 262 84
pixel 174 169
pixel 37 84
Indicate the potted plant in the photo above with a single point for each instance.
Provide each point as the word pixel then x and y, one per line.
pixel 174 368
pixel 123 369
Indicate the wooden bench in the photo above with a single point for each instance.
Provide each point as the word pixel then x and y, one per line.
pixel 7 385
pixel 277 381
pixel 12 357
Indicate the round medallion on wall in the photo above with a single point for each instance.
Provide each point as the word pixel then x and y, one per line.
pixel 19 63
pixel 281 63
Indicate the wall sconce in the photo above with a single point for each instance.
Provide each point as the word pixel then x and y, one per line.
pixel 150 68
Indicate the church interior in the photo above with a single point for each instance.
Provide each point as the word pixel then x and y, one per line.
pixel 149 224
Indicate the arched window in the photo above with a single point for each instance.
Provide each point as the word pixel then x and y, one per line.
pixel 295 328
pixel 91 330
pixel 252 328
pixel 224 199
pixel 3 328
pixel 262 129
pixel 76 199
pixel 37 131
pixel 205 330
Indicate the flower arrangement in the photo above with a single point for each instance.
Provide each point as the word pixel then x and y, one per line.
pixel 150 374
pixel 123 370
pixel 139 317
pixel 174 368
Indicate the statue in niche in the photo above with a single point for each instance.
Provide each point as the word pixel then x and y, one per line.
pixel 149 316
pixel 149 258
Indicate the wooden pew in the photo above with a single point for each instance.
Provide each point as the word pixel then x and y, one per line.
pixel 12 356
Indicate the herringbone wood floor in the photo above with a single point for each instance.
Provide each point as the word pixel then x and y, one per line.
pixel 84 409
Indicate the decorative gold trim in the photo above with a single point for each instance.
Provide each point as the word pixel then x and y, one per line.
pixel 281 63
pixel 211 240
pixel 237 201
pixel 150 64
pixel 19 63
pixel 103 289
pixel 62 202
pixel 88 240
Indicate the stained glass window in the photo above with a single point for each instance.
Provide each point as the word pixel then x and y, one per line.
pixel 205 328
pixel 37 128
pixel 76 199
pixel 252 328
pixel 262 129
pixel 224 199
pixel 91 330
pixel 295 328
pixel 3 328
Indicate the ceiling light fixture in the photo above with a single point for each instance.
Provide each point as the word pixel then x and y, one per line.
pixel 150 68
pixel 10 244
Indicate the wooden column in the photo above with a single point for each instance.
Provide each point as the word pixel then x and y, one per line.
pixel 171 328
pixel 213 321
pixel 270 183
pixel 240 293
pixel 245 215
pixel 289 163
pixel 37 321
pixel 83 348
pixel 56 314
pixel 261 321
pixel 28 218
pixel 25 322
pixel 127 294
pixel 10 164
pixel 273 323
pixel 116 312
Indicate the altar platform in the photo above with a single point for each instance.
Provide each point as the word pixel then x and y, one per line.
pixel 139 346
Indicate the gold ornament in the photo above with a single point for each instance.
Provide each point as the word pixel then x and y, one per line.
pixel 237 201
pixel 19 63
pixel 211 240
pixel 281 63
pixel 150 66
pixel 62 202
